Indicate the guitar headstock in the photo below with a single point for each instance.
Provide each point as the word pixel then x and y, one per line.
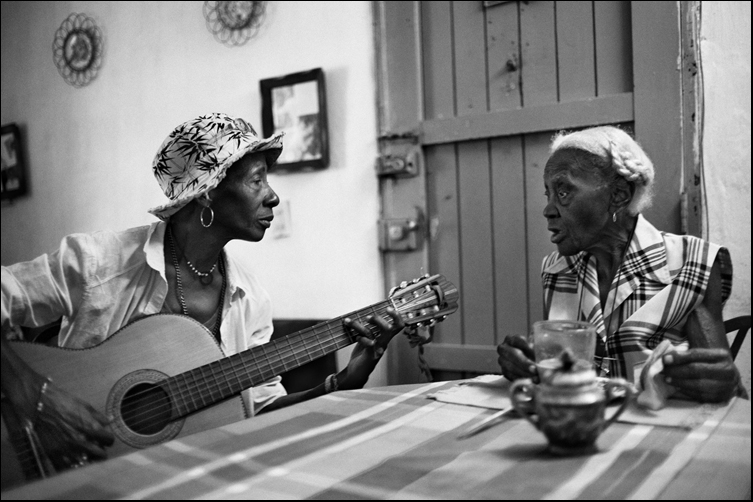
pixel 425 301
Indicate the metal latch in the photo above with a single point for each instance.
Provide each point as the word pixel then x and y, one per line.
pixel 396 165
pixel 401 234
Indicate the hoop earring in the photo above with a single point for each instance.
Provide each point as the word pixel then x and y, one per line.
pixel 211 217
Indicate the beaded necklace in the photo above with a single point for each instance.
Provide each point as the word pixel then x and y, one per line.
pixel 179 289
pixel 200 274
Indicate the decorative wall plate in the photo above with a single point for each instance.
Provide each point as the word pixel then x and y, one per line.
pixel 234 22
pixel 77 49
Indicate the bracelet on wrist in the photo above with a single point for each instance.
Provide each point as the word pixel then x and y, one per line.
pixel 330 383
pixel 40 404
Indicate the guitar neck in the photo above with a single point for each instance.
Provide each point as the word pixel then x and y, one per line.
pixel 214 382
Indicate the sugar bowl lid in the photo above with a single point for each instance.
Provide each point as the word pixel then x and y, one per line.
pixel 572 372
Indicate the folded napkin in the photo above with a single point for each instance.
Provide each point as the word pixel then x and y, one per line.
pixel 484 391
pixel 677 413
pixel 653 391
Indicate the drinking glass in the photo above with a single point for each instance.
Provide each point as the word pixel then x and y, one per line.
pixel 551 338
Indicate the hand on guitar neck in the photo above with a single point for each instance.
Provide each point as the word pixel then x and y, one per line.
pixel 372 338
pixel 71 430
pixel 369 348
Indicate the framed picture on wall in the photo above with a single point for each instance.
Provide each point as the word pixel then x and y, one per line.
pixel 296 104
pixel 13 167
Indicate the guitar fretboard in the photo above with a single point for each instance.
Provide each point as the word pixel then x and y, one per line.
pixel 214 382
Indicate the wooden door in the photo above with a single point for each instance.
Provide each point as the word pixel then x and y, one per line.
pixel 476 90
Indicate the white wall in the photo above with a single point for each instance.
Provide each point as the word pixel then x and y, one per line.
pixel 90 149
pixel 725 54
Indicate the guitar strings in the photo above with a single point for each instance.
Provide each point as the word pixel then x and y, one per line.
pixel 201 385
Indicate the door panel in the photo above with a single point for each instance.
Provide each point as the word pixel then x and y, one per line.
pixel 503 53
pixel 509 231
pixel 469 58
pixel 476 280
pixel 538 243
pixel 439 83
pixel 575 50
pixel 538 53
pixel 444 228
pixel 614 48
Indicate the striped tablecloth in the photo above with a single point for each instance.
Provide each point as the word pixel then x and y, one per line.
pixel 395 442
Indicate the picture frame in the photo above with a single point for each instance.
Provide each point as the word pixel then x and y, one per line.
pixel 13 166
pixel 296 103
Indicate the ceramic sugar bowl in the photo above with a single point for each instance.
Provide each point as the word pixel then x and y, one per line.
pixel 570 407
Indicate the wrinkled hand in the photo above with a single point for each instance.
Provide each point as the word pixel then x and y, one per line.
pixel 70 430
pixel 705 375
pixel 368 350
pixel 516 358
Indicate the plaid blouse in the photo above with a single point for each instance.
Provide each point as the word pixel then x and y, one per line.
pixel 662 279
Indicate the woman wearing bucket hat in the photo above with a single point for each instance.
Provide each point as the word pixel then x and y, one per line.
pixel 213 169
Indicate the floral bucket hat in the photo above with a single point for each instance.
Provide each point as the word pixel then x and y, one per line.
pixel 196 155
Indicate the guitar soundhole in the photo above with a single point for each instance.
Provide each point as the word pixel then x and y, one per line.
pixel 145 409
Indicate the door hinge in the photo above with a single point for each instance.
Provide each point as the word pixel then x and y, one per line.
pixel 409 136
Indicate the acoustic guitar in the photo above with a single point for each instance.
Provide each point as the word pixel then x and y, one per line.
pixel 164 376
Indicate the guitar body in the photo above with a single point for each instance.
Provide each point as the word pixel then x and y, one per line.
pixel 130 362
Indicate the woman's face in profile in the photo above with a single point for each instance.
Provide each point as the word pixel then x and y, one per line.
pixel 577 203
pixel 244 201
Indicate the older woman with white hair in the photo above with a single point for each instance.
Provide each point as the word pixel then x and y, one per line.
pixel 637 285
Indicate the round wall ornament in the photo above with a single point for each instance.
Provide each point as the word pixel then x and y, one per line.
pixel 77 49
pixel 233 22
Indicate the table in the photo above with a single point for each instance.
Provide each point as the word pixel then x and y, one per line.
pixel 394 442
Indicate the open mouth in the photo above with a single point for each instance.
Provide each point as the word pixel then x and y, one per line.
pixel 557 236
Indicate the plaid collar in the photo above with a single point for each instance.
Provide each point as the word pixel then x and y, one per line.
pixel 646 258
pixel 647 255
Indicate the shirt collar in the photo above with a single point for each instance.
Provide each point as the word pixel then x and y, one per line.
pixel 646 256
pixel 560 264
pixel 154 247
pixel 155 258
pixel 234 284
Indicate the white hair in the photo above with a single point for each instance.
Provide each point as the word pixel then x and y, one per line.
pixel 618 150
